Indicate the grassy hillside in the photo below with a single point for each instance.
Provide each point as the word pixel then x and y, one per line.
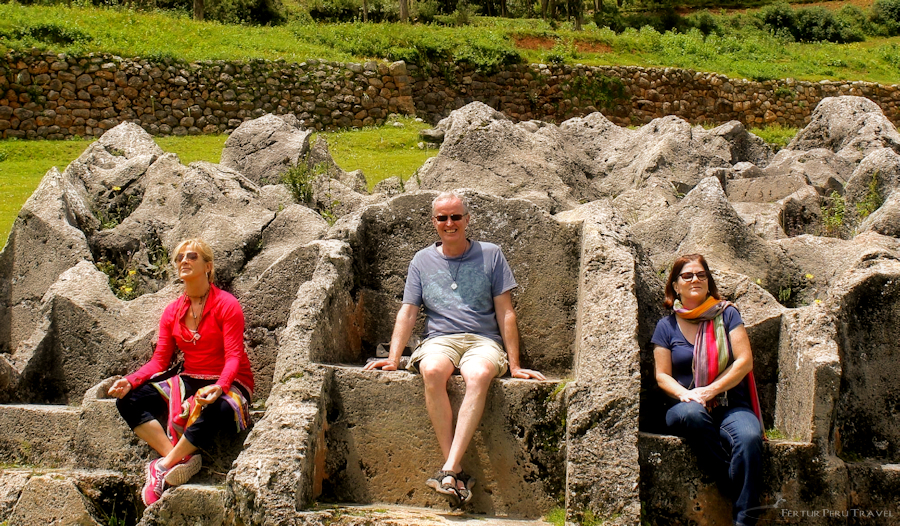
pixel 736 44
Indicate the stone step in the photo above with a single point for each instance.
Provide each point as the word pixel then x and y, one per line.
pixel 381 448
pixel 201 504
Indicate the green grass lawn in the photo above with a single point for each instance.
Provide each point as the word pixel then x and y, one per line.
pixel 380 152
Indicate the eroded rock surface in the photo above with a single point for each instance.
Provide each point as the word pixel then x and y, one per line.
pixel 590 217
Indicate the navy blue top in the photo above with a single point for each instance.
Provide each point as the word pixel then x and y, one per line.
pixel 669 336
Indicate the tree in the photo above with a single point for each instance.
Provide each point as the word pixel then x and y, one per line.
pixel 198 9
pixel 404 10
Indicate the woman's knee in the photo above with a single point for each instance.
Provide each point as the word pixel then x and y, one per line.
pixel 688 416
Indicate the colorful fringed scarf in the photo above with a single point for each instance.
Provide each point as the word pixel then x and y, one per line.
pixel 183 412
pixel 712 349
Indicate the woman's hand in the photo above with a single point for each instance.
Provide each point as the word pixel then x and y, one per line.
pixel 701 395
pixel 119 388
pixel 209 394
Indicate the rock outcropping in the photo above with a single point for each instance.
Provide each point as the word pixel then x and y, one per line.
pixel 590 216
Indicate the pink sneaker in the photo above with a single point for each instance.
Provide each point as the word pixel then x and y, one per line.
pixel 156 483
pixel 183 471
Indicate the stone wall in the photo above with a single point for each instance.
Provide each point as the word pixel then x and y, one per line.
pixel 45 95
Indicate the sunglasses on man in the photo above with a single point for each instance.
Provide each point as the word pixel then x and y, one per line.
pixel 455 217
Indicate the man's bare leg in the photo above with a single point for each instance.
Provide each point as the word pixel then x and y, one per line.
pixel 477 374
pixel 436 371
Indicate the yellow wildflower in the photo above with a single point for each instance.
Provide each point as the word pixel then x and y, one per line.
pixel 117 189
pixel 809 276
pixel 132 272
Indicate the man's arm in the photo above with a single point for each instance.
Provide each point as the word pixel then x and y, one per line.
pixel 509 331
pixel 403 327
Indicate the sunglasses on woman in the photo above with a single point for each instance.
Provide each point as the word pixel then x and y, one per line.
pixel 190 256
pixel 689 276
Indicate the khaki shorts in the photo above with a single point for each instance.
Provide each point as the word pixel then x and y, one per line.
pixel 460 348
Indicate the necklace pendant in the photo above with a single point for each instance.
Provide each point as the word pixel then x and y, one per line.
pixel 453 286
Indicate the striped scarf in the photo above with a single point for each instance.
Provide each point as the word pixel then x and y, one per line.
pixel 712 349
pixel 183 412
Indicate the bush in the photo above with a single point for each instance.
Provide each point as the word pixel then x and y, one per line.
pixel 813 24
pixel 887 12
pixel 817 24
pixel 779 18
pixel 705 22
pixel 609 16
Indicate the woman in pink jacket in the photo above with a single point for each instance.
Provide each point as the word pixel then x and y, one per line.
pixel 177 414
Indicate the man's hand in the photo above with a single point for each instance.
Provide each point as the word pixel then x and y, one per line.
pixel 384 365
pixel 120 388
pixel 526 373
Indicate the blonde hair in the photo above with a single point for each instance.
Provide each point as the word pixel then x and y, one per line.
pixel 202 248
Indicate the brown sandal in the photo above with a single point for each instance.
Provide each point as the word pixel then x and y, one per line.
pixel 436 482
pixel 465 495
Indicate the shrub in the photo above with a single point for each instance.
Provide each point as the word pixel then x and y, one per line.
pixel 663 20
pixel 779 18
pixel 817 24
pixel 609 16
pixel 887 12
pixel 705 22
pixel 890 54
pixel 427 10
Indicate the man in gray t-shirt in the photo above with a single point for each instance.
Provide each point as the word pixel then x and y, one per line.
pixel 464 287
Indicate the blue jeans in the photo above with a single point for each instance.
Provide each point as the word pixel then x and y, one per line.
pixel 727 440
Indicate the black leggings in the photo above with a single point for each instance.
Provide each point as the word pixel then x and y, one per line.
pixel 145 403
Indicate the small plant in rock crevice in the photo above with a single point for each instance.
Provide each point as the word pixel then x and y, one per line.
pixel 834 210
pixel 123 281
pixel 871 201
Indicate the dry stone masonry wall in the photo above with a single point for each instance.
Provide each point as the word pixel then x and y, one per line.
pixel 44 95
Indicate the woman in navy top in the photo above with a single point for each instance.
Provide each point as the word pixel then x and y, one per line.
pixel 704 363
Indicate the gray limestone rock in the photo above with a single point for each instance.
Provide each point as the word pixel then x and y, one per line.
pixel 851 127
pixel 485 151
pixel 88 334
pixel 873 183
pixel 801 212
pixel 11 484
pixel 264 148
pixel 763 189
pixel 188 505
pixel 809 375
pixel 864 303
pixel 642 203
pixel 50 500
pixel 44 242
pixel 763 218
pixel 603 403
pixel 390 186
pixel 822 168
pixel 821 261
pixel 704 222
pixel 885 220
pixel 668 148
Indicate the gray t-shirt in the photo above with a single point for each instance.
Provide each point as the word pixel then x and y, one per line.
pixel 481 274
